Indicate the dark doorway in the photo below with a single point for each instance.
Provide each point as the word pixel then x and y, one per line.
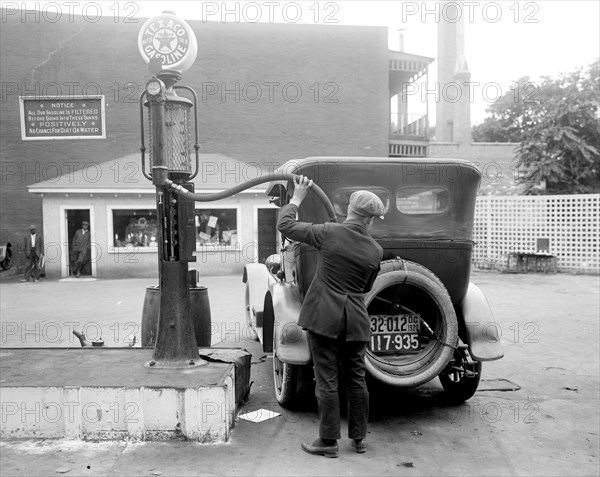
pixel 74 218
pixel 267 233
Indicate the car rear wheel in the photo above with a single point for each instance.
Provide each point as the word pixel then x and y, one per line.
pixel 463 379
pixel 405 288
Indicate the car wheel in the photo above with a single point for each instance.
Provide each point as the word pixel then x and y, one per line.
pixel 285 380
pixel 462 381
pixel 6 263
pixel 412 289
pixel 250 326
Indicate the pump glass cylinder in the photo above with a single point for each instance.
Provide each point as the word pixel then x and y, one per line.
pixel 177 142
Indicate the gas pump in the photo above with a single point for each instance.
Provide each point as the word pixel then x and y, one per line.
pixel 167 41
pixel 169 46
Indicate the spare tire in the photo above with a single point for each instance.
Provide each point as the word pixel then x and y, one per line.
pixel 410 287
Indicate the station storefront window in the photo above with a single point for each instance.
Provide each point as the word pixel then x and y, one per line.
pixel 134 227
pixel 216 227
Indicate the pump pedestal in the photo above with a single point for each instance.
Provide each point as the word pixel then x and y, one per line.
pixel 103 393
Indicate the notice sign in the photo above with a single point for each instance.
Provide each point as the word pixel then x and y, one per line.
pixel 68 117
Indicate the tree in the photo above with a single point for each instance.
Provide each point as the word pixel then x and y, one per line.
pixel 509 115
pixel 557 123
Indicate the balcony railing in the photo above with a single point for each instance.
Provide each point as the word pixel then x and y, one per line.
pixel 414 125
pixel 407 150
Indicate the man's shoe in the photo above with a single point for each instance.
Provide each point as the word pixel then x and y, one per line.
pixel 320 448
pixel 78 275
pixel 24 280
pixel 360 445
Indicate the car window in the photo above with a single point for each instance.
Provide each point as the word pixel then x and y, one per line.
pixel 341 198
pixel 422 200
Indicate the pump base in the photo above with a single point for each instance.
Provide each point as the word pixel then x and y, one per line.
pixel 108 394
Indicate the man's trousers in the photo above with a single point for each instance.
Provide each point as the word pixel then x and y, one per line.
pixel 81 260
pixel 327 354
pixel 32 266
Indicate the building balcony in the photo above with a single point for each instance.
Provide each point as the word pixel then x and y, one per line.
pixel 405 68
pixel 408 135
pixel 408 126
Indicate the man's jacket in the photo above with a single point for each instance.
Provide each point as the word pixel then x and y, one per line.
pixel 81 241
pixel 348 263
pixel 38 247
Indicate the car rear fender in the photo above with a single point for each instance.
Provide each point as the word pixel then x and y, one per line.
pixel 482 332
pixel 291 341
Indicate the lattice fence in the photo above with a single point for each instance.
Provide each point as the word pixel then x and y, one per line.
pixel 571 223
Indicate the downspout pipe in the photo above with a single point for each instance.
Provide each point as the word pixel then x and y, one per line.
pixel 209 197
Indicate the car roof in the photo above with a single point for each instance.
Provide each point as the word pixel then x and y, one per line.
pixel 294 165
pixel 468 170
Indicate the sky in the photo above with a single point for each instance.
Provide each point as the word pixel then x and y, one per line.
pixel 504 40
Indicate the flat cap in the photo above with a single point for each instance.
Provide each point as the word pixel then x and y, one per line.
pixel 32 227
pixel 85 222
pixel 365 203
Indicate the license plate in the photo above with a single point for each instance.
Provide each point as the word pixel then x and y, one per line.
pixel 395 333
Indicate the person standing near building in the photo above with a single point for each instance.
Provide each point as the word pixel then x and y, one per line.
pixel 33 246
pixel 334 311
pixel 81 248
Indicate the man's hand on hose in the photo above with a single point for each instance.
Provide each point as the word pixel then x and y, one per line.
pixel 301 186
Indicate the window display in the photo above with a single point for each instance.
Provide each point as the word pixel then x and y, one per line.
pixel 136 228
pixel 215 227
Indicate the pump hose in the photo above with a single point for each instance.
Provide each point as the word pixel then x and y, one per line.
pixel 209 197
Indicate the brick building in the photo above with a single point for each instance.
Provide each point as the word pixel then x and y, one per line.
pixel 268 93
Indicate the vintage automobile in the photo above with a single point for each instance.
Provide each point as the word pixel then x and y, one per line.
pixel 427 319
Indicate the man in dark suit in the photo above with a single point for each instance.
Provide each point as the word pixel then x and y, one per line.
pixel 33 246
pixel 81 248
pixel 334 311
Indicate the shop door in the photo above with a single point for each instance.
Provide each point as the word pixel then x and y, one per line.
pixel 267 233
pixel 74 219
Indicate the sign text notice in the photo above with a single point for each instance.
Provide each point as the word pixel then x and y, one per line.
pixel 69 117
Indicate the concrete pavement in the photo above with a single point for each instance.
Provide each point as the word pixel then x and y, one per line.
pixel 44 314
pixel 547 425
